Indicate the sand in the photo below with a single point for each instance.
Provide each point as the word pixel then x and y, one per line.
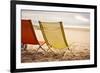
pixel 78 39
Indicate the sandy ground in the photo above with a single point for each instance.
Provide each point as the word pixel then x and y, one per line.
pixel 78 39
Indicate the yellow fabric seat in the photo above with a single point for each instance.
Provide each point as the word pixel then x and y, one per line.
pixel 53 34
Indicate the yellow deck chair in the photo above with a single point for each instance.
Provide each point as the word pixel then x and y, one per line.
pixel 54 36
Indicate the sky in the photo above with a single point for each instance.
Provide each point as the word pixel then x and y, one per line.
pixel 69 19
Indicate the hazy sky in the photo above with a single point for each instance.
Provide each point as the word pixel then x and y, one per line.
pixel 68 18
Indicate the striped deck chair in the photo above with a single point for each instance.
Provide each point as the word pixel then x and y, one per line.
pixel 28 35
pixel 54 36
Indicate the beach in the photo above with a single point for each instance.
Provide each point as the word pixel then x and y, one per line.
pixel 78 40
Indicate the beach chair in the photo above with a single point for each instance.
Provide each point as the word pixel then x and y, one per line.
pixel 54 36
pixel 28 35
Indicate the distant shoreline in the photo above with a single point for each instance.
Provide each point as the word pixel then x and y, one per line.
pixel 76 28
pixel 68 27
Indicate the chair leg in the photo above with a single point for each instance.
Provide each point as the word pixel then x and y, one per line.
pixel 40 47
pixel 70 52
pixel 25 47
pixel 37 50
pixel 49 48
pixel 43 49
